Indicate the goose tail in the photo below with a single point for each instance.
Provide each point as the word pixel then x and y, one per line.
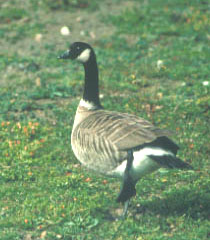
pixel 171 161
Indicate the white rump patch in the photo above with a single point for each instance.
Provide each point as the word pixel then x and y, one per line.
pixel 87 104
pixel 84 56
pixel 151 151
pixel 142 163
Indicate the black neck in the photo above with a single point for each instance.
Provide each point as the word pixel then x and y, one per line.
pixel 91 89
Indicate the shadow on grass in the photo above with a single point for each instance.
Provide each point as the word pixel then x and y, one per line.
pixel 193 202
pixel 107 214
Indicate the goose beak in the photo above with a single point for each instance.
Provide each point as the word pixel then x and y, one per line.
pixel 65 55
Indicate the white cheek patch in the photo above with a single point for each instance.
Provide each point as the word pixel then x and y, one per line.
pixel 84 56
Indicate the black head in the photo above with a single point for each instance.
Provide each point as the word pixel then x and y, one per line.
pixel 78 51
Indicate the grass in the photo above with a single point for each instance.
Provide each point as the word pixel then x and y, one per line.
pixel 45 194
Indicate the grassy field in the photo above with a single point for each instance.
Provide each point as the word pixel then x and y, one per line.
pixel 153 59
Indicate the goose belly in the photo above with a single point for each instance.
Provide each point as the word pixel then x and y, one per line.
pixel 142 164
pixel 96 158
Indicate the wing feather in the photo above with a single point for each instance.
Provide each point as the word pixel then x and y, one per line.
pixel 122 130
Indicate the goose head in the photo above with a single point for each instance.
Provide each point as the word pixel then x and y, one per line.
pixel 79 51
pixel 84 53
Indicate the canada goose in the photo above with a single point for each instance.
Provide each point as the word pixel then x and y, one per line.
pixel 112 143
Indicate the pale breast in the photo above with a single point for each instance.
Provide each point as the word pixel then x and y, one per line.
pixel 94 151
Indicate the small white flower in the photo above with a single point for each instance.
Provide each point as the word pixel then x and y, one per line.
pixel 38 37
pixel 65 31
pixel 82 33
pixel 78 19
pixel 159 64
pixel 92 34
pixel 205 83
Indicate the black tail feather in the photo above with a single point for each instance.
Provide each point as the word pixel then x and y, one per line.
pixel 170 161
pixel 163 143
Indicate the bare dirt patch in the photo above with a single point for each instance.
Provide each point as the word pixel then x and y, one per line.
pixel 84 25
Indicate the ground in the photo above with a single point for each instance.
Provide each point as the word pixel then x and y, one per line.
pixel 153 60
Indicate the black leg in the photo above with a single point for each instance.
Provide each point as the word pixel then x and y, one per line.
pixel 128 186
pixel 125 210
pixel 127 191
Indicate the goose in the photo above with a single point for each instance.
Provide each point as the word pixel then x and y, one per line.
pixel 116 144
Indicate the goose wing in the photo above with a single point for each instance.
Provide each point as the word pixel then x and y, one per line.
pixel 123 130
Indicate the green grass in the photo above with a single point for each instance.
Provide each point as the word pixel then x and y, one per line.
pixel 45 194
